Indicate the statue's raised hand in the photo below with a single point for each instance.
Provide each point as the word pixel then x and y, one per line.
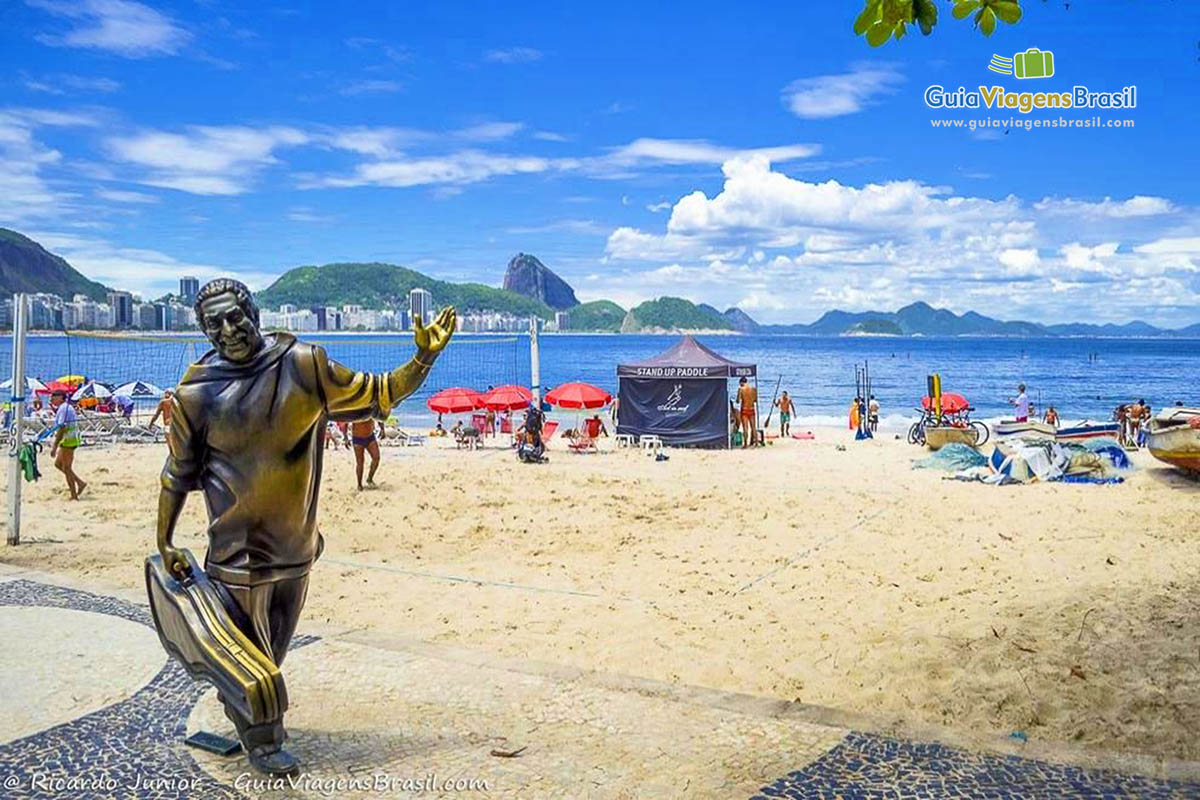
pixel 432 339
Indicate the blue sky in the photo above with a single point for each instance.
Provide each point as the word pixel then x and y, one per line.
pixel 756 154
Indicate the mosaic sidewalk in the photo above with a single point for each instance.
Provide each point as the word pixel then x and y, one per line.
pixel 92 708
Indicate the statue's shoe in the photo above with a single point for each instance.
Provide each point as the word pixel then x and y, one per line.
pixel 277 762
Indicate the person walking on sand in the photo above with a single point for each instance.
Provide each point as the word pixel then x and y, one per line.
pixel 1021 404
pixel 66 439
pixel 164 411
pixel 362 436
pixel 747 398
pixel 873 414
pixel 786 408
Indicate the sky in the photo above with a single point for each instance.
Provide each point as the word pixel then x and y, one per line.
pixel 753 154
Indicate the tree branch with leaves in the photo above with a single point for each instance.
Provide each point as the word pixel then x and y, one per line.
pixel 882 20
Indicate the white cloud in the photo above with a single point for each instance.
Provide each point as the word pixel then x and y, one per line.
pixel 123 27
pixel 148 272
pixel 204 160
pixel 837 95
pixel 786 248
pixel 466 166
pixel 697 151
pixel 1189 245
pixel 756 198
pixel 122 196
pixel 370 87
pixel 62 84
pixel 657 207
pixel 489 131
pixel 392 52
pixel 513 55
pixel 1136 206
pixel 549 136
pixel 25 191
pixel 583 227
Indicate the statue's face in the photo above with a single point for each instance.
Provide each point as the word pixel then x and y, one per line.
pixel 227 326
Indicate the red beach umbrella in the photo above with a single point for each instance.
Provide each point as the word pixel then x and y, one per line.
pixel 57 386
pixel 952 403
pixel 578 395
pixel 455 400
pixel 507 398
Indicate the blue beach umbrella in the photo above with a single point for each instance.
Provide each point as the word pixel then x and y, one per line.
pixel 139 390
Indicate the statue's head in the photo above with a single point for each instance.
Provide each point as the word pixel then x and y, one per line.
pixel 226 312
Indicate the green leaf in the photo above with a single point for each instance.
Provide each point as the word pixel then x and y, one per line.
pixel 986 20
pixel 926 13
pixel 964 7
pixel 1007 10
pixel 899 31
pixel 869 14
pixel 878 33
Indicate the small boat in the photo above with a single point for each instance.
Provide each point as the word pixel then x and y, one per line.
pixel 938 436
pixel 1173 440
pixel 1088 430
pixel 1011 429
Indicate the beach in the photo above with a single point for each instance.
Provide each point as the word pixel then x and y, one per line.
pixel 827 572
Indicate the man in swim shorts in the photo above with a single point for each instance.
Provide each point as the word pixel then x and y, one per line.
pixel 747 399
pixel 362 436
pixel 785 413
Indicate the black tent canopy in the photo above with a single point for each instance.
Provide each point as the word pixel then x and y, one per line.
pixel 680 395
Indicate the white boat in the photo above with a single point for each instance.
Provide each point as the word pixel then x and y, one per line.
pixel 1032 429
pixel 1088 430
pixel 1171 438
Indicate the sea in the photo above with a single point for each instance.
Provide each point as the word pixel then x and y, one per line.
pixel 1084 378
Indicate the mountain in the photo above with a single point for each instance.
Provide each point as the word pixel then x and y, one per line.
pixel 673 314
pixel 530 277
pixel 741 321
pixel 917 318
pixel 1135 328
pixel 26 266
pixel 387 285
pixel 874 327
pixel 598 315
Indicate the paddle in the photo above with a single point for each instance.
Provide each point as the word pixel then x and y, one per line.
pixel 771 410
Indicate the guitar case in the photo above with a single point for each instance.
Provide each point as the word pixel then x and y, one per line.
pixel 197 630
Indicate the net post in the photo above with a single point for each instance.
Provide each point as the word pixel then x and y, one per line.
pixel 535 362
pixel 20 322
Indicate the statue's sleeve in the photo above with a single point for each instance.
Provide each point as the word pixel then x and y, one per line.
pixel 350 395
pixel 184 464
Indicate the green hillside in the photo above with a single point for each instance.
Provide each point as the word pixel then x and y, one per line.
pixel 598 315
pixel 673 313
pixel 26 266
pixel 874 327
pixel 387 285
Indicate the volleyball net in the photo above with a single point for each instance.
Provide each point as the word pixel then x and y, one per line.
pixel 113 361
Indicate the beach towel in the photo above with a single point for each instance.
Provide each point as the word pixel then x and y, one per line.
pixel 27 459
pixel 807 435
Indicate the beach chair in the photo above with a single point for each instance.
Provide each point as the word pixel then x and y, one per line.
pixel 99 428
pixel 140 433
pixel 548 430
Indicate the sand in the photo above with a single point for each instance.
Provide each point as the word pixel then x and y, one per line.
pixel 826 571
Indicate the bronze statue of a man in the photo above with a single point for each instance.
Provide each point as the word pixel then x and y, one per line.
pixel 247 429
